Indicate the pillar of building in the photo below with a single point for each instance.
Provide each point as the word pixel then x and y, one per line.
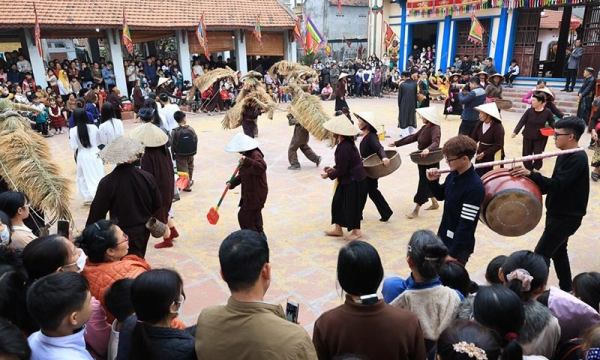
pixel 37 63
pixel 116 52
pixel 289 47
pixel 240 51
pixel 445 58
pixel 183 52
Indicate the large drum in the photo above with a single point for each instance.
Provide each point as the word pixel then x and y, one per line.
pixel 512 205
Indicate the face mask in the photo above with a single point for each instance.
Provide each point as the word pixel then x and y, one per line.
pixel 178 312
pixel 5 235
pixel 81 261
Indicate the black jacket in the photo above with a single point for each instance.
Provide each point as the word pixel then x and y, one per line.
pixel 589 87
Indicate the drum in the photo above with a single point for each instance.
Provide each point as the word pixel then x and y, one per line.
pixel 512 205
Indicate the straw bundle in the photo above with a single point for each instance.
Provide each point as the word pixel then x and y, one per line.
pixel 206 80
pixel 289 69
pixel 27 166
pixel 308 111
pixel 248 97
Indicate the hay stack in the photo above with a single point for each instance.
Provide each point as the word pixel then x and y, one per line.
pixel 206 80
pixel 308 110
pixel 290 70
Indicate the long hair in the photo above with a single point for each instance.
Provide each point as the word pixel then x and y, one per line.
pixel 81 120
pixel 152 103
pixel 107 112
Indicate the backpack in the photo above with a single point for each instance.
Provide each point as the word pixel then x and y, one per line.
pixel 186 144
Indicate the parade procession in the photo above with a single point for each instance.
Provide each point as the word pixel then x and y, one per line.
pixel 307 179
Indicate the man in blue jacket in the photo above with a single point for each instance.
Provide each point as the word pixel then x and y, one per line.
pixel 463 194
pixel 470 98
pixel 573 64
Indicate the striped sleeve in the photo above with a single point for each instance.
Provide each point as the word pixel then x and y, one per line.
pixel 469 212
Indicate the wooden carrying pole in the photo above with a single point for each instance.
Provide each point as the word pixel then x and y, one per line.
pixel 517 160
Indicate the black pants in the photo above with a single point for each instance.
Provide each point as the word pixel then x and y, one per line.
pixel 250 220
pixel 511 78
pixel 373 191
pixel 250 128
pixel 584 110
pixel 553 245
pixel 138 240
pixel 467 127
pixel 571 78
pixel 532 147
pixel 348 203
pixel 42 128
pixel 423 193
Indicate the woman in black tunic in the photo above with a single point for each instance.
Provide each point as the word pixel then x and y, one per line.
pixel 452 106
pixel 370 145
pixel 349 197
pixel 340 94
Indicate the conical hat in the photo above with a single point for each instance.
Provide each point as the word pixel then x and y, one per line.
pixel 340 125
pixel 483 73
pixel 366 116
pixel 430 114
pixel 162 80
pixel 491 109
pixel 545 91
pixel 342 75
pixel 149 135
pixel 240 143
pixel 121 150
pixel 498 75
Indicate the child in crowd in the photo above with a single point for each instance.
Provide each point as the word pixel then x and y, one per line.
pixel 225 97
pixel 41 117
pixel 118 302
pixel 61 304
pixel 492 272
pixel 57 120
pixel 184 146
pixel 232 95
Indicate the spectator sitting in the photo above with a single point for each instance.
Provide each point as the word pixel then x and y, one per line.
pixel 586 286
pixel 314 87
pixel 225 97
pixel 118 302
pixel 492 272
pixel 466 340
pixel 12 342
pixel 513 72
pixel 327 92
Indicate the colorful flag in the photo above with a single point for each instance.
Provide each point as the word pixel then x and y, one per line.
pixel 257 32
pixel 476 31
pixel 348 42
pixel 328 50
pixel 311 31
pixel 201 33
pixel 298 33
pixel 309 44
pixel 389 35
pixel 361 50
pixel 339 5
pixel 38 32
pixel 127 36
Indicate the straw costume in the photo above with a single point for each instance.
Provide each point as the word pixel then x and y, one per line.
pixel 128 193
pixel 489 134
pixel 349 197
pixel 253 178
pixel 26 165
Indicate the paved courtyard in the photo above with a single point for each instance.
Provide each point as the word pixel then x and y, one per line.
pixel 298 211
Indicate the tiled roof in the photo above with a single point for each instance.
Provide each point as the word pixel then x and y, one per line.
pixel 350 2
pixel 553 18
pixel 147 14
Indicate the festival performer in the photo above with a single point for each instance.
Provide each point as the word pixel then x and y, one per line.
pixel 549 102
pixel 451 105
pixel 427 139
pixel 489 134
pixel 483 79
pixel 251 113
pixel 393 53
pixel 568 191
pixel 300 141
pixel 348 200
pixel 463 194
pixel 370 145
pixel 534 119
pixel 340 94
pixel 128 193
pixel 157 161
pixel 407 104
pixel 253 178
pixel 493 90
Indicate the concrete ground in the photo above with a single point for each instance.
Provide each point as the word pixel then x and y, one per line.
pixel 298 211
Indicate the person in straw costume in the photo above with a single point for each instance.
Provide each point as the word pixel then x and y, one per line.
pixel 253 178
pixel 427 139
pixel 157 161
pixel 85 139
pixel 340 93
pixel 370 145
pixel 349 197
pixel 128 193
pixel 489 134
pixel 300 141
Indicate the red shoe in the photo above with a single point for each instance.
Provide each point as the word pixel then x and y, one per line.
pixel 167 243
pixel 174 233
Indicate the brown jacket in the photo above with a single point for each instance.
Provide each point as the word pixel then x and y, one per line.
pixel 533 122
pixel 250 331
pixel 428 137
pixel 491 142
pixel 253 177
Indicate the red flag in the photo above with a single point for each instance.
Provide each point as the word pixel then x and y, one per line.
pixel 361 49
pixel 298 33
pixel 389 35
pixel 127 36
pixel 201 34
pixel 257 31
pixel 339 5
pixel 38 32
pixel 476 31
pixel 347 42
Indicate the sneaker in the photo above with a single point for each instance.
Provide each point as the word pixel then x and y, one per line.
pixel 319 160
pixel 294 167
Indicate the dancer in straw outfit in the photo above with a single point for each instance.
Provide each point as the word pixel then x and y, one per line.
pixel 253 178
pixel 370 145
pixel 351 186
pixel 427 139
pixel 489 134
pixel 128 193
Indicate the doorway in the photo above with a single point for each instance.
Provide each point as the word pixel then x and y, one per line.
pixel 424 36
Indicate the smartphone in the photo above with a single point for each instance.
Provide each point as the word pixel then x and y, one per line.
pixel 291 311
pixel 62 228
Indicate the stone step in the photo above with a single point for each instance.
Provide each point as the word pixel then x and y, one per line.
pixel 566 102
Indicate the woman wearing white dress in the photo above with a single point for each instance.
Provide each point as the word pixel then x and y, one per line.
pixel 84 139
pixel 110 127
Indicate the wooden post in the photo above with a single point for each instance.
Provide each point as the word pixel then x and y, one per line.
pixel 563 39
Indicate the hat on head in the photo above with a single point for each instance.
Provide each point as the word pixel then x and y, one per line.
pixel 491 109
pixel 149 135
pixel 162 80
pixel 340 125
pixel 545 90
pixel 342 75
pixel 483 73
pixel 121 150
pixel 366 116
pixel 430 114
pixel 498 75
pixel 240 143
pixel 146 113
